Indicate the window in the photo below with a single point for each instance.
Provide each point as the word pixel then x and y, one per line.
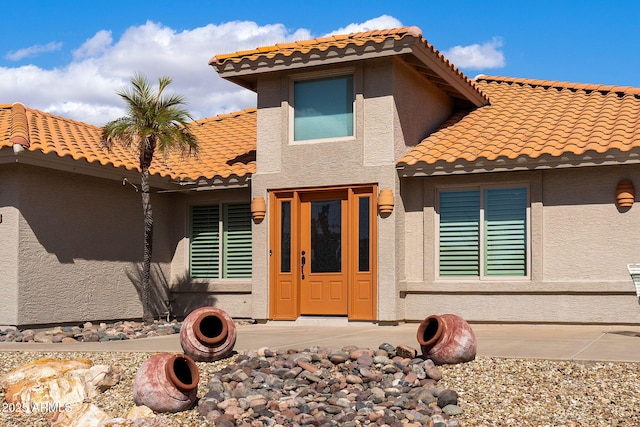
pixel 483 232
pixel 220 241
pixel 323 108
pixel 364 234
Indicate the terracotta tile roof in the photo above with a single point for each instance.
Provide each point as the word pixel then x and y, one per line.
pixel 5 125
pixel 227 143
pixel 227 147
pixel 334 46
pixel 530 119
pixel 321 44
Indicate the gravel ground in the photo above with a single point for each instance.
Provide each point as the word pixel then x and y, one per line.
pixel 493 391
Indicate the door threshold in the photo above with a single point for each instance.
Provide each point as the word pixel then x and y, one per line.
pixel 314 321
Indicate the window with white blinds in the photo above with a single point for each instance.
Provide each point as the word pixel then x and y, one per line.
pixel 505 232
pixel 483 232
pixel 460 233
pixel 220 241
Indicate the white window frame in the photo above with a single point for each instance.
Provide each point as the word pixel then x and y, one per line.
pixel 317 76
pixel 482 277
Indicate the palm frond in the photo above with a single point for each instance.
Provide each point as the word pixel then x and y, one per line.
pixel 154 121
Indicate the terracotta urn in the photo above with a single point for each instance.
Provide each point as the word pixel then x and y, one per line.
pixel 625 194
pixel 166 383
pixel 446 339
pixel 208 334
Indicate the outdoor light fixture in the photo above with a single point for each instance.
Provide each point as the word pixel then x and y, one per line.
pixel 625 194
pixel 258 208
pixel 385 201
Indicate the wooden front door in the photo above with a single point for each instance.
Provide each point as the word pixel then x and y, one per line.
pixel 323 253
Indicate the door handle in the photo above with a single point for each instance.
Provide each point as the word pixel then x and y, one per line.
pixel 303 261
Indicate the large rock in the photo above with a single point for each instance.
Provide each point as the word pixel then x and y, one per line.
pixel 51 384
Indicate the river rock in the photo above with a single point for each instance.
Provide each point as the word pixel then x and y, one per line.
pixel 447 397
pixel 326 387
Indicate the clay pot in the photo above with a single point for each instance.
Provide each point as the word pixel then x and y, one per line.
pixel 166 383
pixel 447 339
pixel 625 194
pixel 208 334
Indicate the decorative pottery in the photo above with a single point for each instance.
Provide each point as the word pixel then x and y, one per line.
pixel 208 334
pixel 385 201
pixel 446 339
pixel 166 383
pixel 625 194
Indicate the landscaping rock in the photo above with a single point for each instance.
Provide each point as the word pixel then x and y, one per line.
pixel 350 387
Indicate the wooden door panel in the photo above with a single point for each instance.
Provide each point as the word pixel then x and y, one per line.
pixel 323 233
pixel 343 282
pixel 283 291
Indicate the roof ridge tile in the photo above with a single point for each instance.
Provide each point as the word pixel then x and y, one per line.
pixel 398 32
pixel 19 125
pixel 588 87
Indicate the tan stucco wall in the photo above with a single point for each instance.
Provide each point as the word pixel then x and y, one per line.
pixel 580 246
pixel 394 109
pixel 78 239
pixel 8 246
pixel 231 295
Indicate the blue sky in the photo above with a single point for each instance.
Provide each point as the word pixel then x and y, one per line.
pixel 70 57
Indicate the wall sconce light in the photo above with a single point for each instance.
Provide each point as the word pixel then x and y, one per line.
pixel 385 201
pixel 625 194
pixel 258 208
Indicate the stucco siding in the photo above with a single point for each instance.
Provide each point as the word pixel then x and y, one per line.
pixel 579 246
pixel 586 237
pixel 419 108
pixel 528 308
pixel 9 246
pixel 79 247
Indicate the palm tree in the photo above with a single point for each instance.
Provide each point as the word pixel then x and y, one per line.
pixel 153 123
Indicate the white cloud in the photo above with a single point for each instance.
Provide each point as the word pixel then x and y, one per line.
pixel 33 51
pixel 477 56
pixel 384 21
pixel 95 46
pixel 85 89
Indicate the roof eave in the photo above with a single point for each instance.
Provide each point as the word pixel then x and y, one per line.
pixel 610 158
pixel 81 166
pixel 210 184
pixel 444 70
pixel 245 72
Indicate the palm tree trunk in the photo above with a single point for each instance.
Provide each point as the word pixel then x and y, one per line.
pixel 147 314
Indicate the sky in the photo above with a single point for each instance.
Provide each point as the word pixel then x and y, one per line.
pixel 70 57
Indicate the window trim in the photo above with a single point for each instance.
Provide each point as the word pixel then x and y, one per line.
pixel 317 75
pixel 482 277
pixel 221 232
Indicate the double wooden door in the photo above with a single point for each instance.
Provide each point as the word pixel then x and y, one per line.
pixel 323 253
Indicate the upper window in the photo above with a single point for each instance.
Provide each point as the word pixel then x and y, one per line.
pixel 483 232
pixel 323 108
pixel 220 241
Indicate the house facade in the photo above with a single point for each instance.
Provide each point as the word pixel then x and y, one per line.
pixel 373 182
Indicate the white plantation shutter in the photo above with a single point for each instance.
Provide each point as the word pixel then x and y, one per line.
pixel 204 246
pixel 499 246
pixel 237 240
pixel 505 227
pixel 220 243
pixel 460 233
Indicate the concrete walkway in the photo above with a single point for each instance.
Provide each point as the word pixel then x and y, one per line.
pixel 554 342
